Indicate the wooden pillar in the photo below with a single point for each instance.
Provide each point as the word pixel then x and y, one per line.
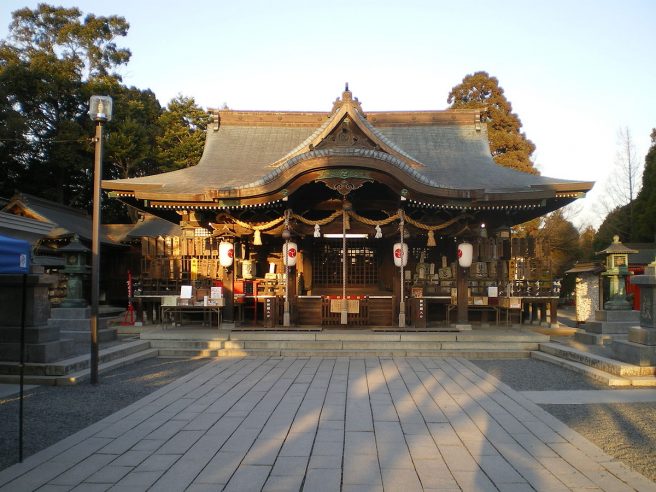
pixel 463 301
pixel 553 312
pixel 527 315
pixel 229 294
pixel 543 312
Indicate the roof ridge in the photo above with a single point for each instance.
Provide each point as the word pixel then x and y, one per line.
pixel 29 199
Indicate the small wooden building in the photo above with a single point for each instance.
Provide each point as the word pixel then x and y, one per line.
pixel 50 226
pixel 350 189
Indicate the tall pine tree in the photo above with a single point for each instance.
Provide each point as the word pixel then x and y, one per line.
pixel 645 203
pixel 509 146
pixel 184 126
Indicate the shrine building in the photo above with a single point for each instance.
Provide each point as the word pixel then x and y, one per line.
pixel 350 218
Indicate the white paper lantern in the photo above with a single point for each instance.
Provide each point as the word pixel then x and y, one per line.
pixel 290 250
pixel 465 253
pixel 400 254
pixel 226 253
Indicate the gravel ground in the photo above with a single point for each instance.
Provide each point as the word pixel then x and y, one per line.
pixel 53 413
pixel 625 431
pixel 536 375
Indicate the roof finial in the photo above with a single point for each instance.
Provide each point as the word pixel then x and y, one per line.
pixel 347 98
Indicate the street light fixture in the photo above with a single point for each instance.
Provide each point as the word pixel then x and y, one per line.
pixel 100 111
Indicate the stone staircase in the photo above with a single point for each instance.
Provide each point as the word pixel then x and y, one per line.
pixel 596 366
pixel 76 369
pixel 486 343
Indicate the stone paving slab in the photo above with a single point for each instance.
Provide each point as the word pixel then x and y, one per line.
pixel 333 424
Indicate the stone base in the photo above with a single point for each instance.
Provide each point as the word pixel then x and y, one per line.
pixel 75 324
pixel 463 327
pixel 33 334
pixel 643 336
pixel 630 315
pixel 37 306
pixel 635 353
pixel 598 339
pixel 37 352
pixel 84 336
pixel 613 322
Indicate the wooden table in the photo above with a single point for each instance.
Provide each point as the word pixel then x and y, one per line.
pixel 177 311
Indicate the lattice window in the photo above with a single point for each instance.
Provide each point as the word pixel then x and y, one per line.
pixel 361 268
pixel 202 232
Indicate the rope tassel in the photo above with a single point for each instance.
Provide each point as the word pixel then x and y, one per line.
pixel 257 239
pixel 317 230
pixel 431 239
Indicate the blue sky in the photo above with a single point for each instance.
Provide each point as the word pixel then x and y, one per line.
pixel 574 71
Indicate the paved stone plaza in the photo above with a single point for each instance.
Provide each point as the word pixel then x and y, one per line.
pixel 316 424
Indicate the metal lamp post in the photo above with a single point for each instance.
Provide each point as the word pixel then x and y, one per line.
pixel 286 234
pixel 100 111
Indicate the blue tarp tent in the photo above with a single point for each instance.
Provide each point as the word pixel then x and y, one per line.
pixel 14 255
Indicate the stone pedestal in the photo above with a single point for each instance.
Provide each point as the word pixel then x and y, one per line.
pixel 640 348
pixel 74 323
pixel 43 343
pixel 608 326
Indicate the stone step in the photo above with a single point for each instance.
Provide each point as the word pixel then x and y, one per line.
pixel 635 353
pixel 187 353
pixel 597 339
pixel 610 366
pixel 631 316
pixel 347 343
pixel 122 361
pixel 77 363
pixel 609 327
pixel 369 336
pixel 337 345
pixel 82 375
pixel 188 344
pixel 84 336
pixel 390 352
pixel 591 372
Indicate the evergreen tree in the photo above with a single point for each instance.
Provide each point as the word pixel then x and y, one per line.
pixel 183 125
pixel 586 243
pixel 509 146
pixel 616 223
pixel 634 221
pixel 564 242
pixel 46 64
pixel 645 203
pixel 133 133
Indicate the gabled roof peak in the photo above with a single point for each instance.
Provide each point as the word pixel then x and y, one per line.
pixel 346 100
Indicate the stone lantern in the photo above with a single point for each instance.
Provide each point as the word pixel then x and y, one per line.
pixel 617 268
pixel 640 348
pixel 75 260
